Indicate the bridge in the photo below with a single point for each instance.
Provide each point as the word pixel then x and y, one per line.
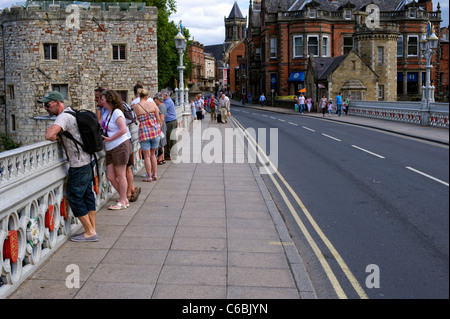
pixel 202 230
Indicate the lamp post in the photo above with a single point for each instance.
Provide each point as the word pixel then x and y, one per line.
pixel 180 45
pixel 428 43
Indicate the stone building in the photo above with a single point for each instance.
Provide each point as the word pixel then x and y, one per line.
pixel 71 50
pixel 282 35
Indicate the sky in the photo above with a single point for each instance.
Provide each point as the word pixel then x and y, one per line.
pixel 205 18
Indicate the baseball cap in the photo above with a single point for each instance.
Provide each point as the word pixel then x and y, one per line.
pixel 51 96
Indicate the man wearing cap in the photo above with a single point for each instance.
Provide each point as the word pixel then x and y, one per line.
pixel 79 183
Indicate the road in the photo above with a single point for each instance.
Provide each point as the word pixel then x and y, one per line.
pixel 368 210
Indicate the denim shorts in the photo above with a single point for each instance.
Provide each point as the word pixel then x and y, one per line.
pixel 79 190
pixel 150 144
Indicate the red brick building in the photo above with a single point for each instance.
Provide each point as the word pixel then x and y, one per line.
pixel 197 56
pixel 282 35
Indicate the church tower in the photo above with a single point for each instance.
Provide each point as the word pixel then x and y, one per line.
pixel 235 25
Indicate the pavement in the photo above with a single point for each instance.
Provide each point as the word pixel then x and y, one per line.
pixel 201 231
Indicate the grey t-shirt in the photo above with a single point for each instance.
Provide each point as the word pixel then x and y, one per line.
pixel 77 157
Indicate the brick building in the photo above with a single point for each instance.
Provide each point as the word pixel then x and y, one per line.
pixel 197 56
pixel 71 51
pixel 282 35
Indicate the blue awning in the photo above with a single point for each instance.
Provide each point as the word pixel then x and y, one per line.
pixel 297 76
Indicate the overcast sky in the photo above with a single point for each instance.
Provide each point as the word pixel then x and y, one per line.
pixel 205 18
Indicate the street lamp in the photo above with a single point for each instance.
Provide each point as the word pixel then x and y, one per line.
pixel 180 45
pixel 428 43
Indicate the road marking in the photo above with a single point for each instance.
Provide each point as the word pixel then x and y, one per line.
pixel 264 115
pixel 328 271
pixel 309 129
pixel 293 123
pixel 333 138
pixel 273 118
pixel 426 175
pixel 281 120
pixel 369 152
pixel 255 113
pixel 245 112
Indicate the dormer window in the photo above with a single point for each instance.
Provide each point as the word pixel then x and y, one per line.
pixel 413 13
pixel 313 13
pixel 348 14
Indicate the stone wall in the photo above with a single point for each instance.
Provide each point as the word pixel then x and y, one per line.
pixel 84 40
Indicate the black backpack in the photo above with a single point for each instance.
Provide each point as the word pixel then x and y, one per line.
pixel 90 131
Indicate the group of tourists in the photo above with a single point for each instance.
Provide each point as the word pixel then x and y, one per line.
pixel 156 118
pixel 219 108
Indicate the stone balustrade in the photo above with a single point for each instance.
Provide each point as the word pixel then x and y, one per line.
pixel 35 218
pixel 407 112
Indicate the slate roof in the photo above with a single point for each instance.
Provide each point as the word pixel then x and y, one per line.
pixel 295 5
pixel 235 12
pixel 326 66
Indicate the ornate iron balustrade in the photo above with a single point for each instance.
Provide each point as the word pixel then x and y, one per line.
pixel 35 218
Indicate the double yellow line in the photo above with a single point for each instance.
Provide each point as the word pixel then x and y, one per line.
pixel 329 272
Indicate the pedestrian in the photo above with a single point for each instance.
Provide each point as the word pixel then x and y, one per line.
pixel 198 107
pixel 347 103
pixel 243 98
pixel 132 191
pixel 172 124
pixel 80 177
pixel 149 132
pixel 262 99
pixel 158 98
pixel 323 105
pixel 309 103
pixel 224 104
pixel 339 104
pixel 212 106
pixel 301 102
pixel 330 107
pixel 117 146
pixel 99 110
pixel 194 108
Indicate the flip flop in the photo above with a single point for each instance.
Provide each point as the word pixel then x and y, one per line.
pixel 149 179
pixel 118 206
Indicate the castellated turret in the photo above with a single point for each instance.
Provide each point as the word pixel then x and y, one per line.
pixel 72 50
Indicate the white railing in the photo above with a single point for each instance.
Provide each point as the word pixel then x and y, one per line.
pixel 35 218
pixel 407 112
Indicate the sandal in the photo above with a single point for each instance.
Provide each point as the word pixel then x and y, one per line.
pixel 155 178
pixel 160 162
pixel 118 206
pixel 149 179
pixel 135 194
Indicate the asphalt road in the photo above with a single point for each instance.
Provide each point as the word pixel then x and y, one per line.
pixel 378 222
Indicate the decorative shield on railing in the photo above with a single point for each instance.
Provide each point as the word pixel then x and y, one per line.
pixel 11 246
pixel 64 208
pixel 50 217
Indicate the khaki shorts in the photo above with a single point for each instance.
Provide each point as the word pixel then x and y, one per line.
pixel 119 155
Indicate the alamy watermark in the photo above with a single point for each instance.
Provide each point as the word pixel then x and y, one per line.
pixel 212 146
pixel 373 279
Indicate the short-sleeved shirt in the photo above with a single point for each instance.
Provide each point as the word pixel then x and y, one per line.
pixel 113 129
pixel 68 122
pixel 171 112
